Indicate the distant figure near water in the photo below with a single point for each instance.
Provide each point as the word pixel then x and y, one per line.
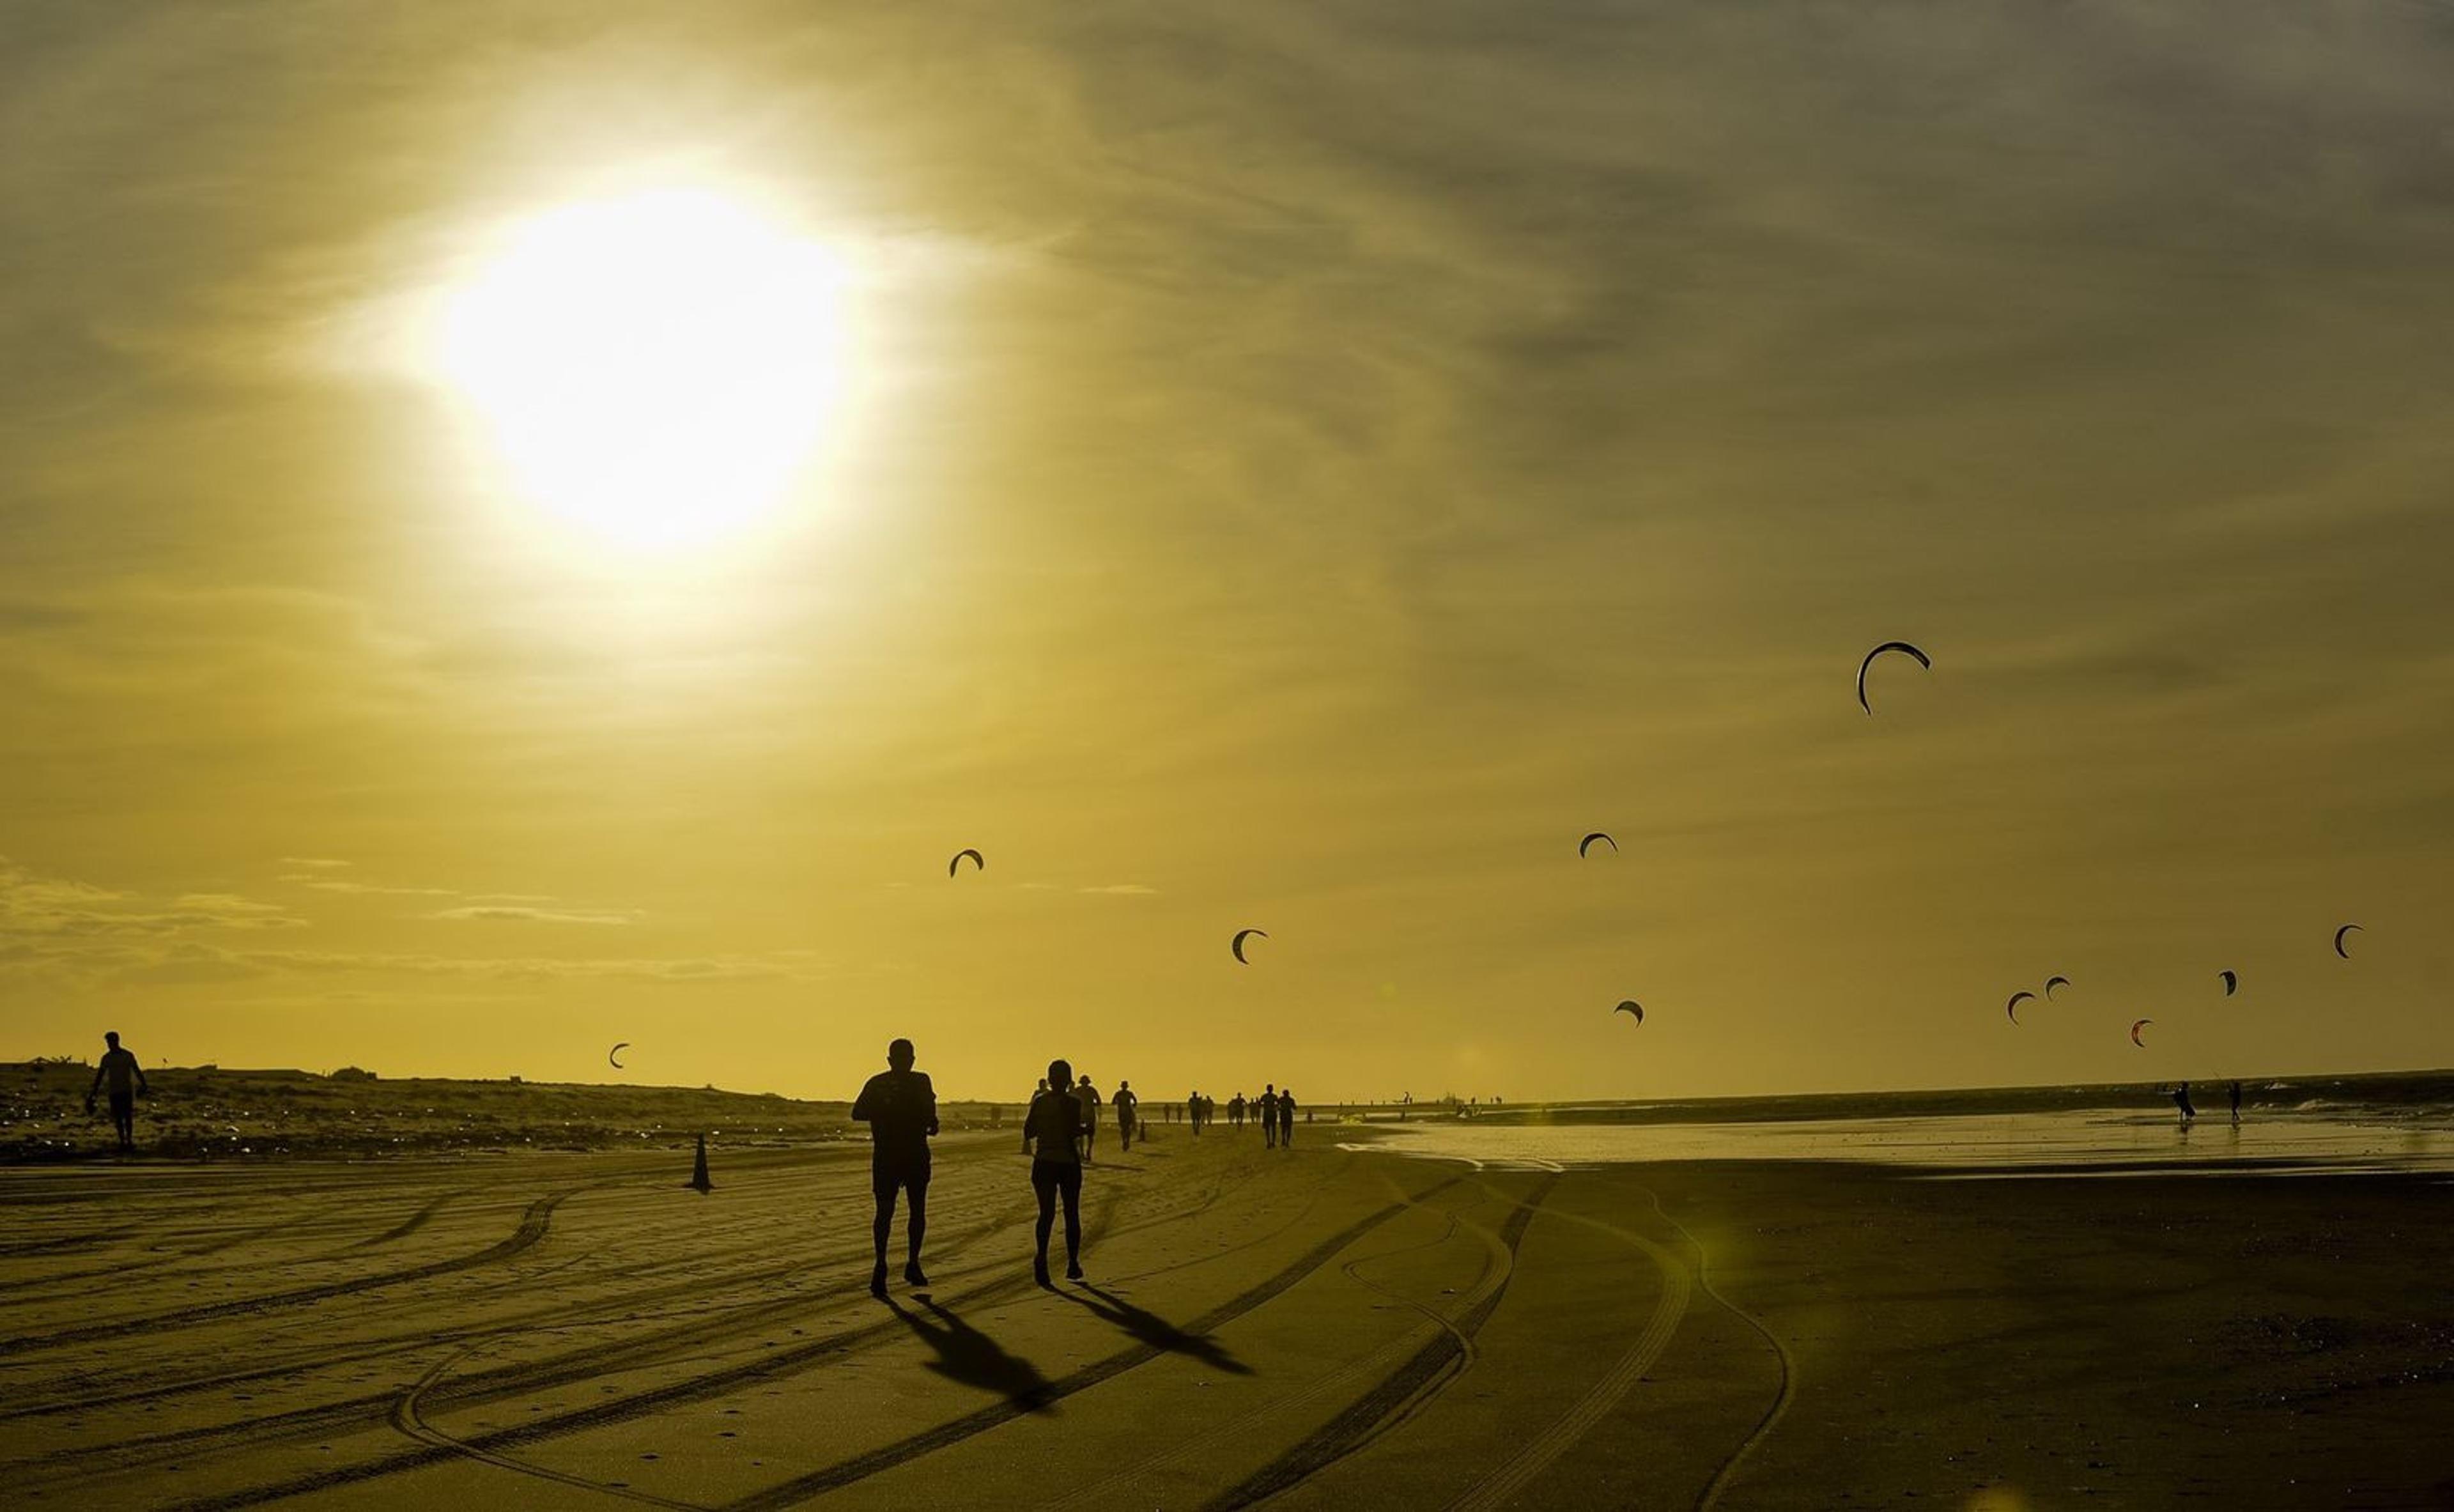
pixel 1286 1118
pixel 2234 1093
pixel 900 1108
pixel 1089 1095
pixel 117 1066
pixel 1126 1107
pixel 1193 1112
pixel 1268 1106
pixel 2181 1101
pixel 1051 1135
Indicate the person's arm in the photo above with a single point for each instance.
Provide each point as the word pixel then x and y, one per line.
pixel 94 1090
pixel 1030 1116
pixel 929 1094
pixel 144 1088
pixel 865 1106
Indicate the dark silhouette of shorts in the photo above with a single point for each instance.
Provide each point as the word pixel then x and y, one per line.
pixel 123 1106
pixel 1048 1177
pixel 886 1177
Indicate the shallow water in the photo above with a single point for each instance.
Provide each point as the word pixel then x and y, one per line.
pixel 2101 1142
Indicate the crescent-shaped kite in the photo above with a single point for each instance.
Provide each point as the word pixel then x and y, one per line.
pixel 2231 981
pixel 1586 843
pixel 615 1051
pixel 2134 1032
pixel 2052 982
pixel 978 864
pixel 2013 1006
pixel 1236 946
pixel 1631 1007
pixel 2339 939
pixel 1901 646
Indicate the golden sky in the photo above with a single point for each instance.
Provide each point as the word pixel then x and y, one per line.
pixel 1297 467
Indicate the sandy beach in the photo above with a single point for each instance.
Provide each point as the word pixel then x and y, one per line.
pixel 1322 1327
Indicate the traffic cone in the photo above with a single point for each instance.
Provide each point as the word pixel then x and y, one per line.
pixel 698 1181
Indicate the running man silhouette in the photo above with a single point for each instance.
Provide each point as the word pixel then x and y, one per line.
pixel 1235 1110
pixel 1127 1108
pixel 1266 1108
pixel 1089 1095
pixel 2181 1101
pixel 1193 1112
pixel 1286 1117
pixel 900 1108
pixel 117 1066
pixel 1051 1135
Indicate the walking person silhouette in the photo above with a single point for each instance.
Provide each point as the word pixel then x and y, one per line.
pixel 1089 1095
pixel 1051 1135
pixel 1127 1108
pixel 1267 1107
pixel 1286 1117
pixel 900 1108
pixel 118 1066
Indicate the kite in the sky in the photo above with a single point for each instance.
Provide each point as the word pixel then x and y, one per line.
pixel 2013 1006
pixel 2231 981
pixel 2052 982
pixel 615 1051
pixel 1631 1007
pixel 1901 646
pixel 1586 843
pixel 978 864
pixel 1236 946
pixel 2134 1032
pixel 2339 939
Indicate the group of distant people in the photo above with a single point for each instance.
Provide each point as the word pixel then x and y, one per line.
pixel 2189 1110
pixel 1058 1133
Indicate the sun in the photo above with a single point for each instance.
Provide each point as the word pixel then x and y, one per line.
pixel 657 368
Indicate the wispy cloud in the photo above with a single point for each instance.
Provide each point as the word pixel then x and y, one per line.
pixel 504 913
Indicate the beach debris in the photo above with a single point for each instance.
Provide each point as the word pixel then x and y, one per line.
pixel 1236 946
pixel 2013 1006
pixel 1631 1007
pixel 2052 982
pixel 2134 1032
pixel 698 1181
pixel 2231 981
pixel 1901 646
pixel 2339 939
pixel 1586 843
pixel 610 1055
pixel 978 864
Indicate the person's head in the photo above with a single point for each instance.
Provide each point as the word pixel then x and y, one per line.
pixel 1124 1087
pixel 1269 1086
pixel 1060 1076
pixel 898 1055
pixel 111 1038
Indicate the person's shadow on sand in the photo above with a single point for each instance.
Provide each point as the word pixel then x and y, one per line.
pixel 966 1355
pixel 1150 1328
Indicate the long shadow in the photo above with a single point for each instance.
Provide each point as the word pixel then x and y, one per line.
pixel 1151 1329
pixel 966 1355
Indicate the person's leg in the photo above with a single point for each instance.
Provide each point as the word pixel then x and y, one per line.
pixel 1070 1181
pixel 917 1228
pixel 881 1186
pixel 1043 1186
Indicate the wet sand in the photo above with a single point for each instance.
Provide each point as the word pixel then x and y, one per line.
pixel 1320 1328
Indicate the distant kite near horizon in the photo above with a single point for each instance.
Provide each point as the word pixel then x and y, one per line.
pixel 2052 982
pixel 2134 1032
pixel 2339 939
pixel 1901 646
pixel 1236 946
pixel 1631 1007
pixel 617 1051
pixel 1586 843
pixel 978 864
pixel 2013 1006
pixel 2231 981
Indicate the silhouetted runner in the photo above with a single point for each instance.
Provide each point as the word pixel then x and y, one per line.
pixel 900 1108
pixel 1089 1095
pixel 2236 1102
pixel 1193 1112
pixel 1051 1135
pixel 1286 1117
pixel 1265 1107
pixel 118 1066
pixel 2181 1101
pixel 1235 1110
pixel 1128 1110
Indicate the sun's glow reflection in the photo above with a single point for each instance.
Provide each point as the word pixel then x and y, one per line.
pixel 657 368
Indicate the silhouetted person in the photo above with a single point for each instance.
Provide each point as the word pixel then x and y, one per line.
pixel 2181 1101
pixel 1193 1112
pixel 1127 1108
pixel 1089 1095
pixel 900 1108
pixel 118 1067
pixel 1051 1135
pixel 2234 1093
pixel 1235 1110
pixel 1266 1108
pixel 1286 1117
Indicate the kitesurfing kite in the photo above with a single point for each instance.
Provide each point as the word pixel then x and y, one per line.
pixel 2231 981
pixel 1631 1007
pixel 1901 646
pixel 1587 843
pixel 2339 939
pixel 615 1051
pixel 2052 982
pixel 978 864
pixel 2013 1006
pixel 2134 1032
pixel 1236 946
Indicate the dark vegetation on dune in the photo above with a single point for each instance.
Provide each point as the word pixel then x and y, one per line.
pixel 206 1113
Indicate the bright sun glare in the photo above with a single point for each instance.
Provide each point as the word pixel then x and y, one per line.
pixel 657 367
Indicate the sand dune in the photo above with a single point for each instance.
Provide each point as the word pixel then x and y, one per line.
pixel 1322 1328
